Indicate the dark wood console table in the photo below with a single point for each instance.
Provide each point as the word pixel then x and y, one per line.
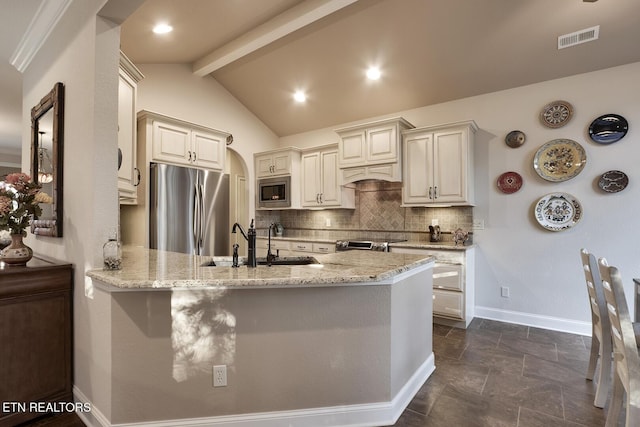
pixel 35 338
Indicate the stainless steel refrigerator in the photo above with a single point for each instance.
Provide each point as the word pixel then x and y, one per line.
pixel 189 210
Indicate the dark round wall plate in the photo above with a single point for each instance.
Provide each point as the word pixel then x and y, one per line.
pixel 608 128
pixel 613 181
pixel 515 138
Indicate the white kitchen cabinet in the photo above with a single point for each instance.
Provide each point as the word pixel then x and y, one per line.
pixel 438 165
pixel 372 150
pixel 128 172
pixel 321 186
pixel 276 162
pixel 453 284
pixel 178 142
pixel 294 247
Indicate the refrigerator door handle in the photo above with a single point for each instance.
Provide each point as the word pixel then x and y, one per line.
pixel 200 219
pixel 196 219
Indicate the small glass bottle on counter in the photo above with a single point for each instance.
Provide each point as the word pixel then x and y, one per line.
pixel 112 252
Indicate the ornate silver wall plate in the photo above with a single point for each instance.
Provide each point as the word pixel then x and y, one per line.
pixel 558 211
pixel 559 160
pixel 556 114
pixel 613 181
pixel 515 138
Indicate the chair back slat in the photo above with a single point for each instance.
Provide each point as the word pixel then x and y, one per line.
pixel 627 361
pixel 599 315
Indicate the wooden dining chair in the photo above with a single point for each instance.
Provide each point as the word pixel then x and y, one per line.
pixel 601 348
pixel 626 361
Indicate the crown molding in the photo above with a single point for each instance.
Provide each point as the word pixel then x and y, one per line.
pixel 44 21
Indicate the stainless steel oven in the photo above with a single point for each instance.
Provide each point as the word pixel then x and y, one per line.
pixel 274 193
pixel 365 244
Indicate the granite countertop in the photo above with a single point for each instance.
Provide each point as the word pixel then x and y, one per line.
pixel 445 245
pixel 160 270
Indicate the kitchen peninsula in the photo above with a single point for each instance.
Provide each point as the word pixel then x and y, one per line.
pixel 347 341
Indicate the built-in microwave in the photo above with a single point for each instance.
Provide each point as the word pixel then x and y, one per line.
pixel 274 192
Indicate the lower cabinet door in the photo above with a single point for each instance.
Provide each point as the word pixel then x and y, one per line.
pixel 448 304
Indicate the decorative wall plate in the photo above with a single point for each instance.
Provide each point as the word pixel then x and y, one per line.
pixel 608 129
pixel 556 114
pixel 559 160
pixel 515 138
pixel 613 181
pixel 509 182
pixel 558 211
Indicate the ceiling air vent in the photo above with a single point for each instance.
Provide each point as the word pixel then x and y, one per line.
pixel 582 36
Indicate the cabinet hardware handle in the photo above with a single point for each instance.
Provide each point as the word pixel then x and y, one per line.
pixel 189 155
pixel 194 156
pixel 318 198
pixel 138 180
pixel 321 201
pixel 431 192
pixel 435 192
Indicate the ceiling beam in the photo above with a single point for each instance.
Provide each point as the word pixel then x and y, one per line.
pixel 286 23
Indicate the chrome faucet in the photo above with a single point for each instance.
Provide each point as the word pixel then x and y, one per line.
pixel 251 239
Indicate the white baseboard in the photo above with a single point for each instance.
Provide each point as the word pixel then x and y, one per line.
pixel 370 414
pixel 535 320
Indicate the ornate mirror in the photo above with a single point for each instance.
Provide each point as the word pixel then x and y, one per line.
pixel 47 141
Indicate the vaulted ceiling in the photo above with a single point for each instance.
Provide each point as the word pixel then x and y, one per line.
pixel 430 51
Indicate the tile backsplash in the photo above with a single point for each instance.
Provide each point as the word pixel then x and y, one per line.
pixel 378 215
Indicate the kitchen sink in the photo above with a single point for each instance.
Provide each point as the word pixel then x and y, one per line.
pixel 291 260
pixel 227 261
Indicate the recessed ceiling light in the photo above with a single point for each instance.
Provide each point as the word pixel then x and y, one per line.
pixel 300 96
pixel 162 29
pixel 373 73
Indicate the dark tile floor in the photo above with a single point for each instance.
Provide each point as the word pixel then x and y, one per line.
pixel 498 374
pixel 495 374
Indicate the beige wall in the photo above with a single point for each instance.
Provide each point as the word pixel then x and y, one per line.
pixel 542 268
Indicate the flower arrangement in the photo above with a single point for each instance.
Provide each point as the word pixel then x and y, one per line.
pixel 19 199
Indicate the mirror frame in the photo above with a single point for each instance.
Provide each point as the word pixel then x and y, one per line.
pixel 53 100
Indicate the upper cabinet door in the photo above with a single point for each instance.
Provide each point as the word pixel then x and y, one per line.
pixel 418 155
pixel 171 143
pixel 127 174
pixel 450 165
pixel 353 151
pixel 208 149
pixel 331 192
pixel 311 187
pixel 382 144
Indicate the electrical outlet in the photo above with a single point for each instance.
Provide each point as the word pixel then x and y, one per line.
pixel 435 222
pixel 327 222
pixel 219 375
pixel 504 291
